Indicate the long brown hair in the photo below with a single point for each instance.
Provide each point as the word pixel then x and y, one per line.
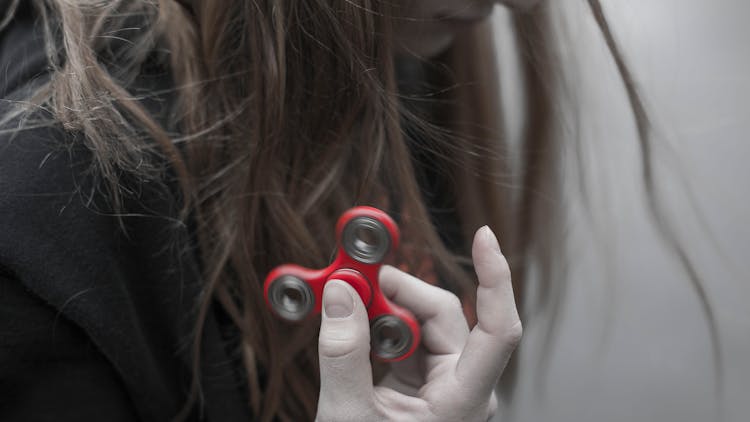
pixel 286 113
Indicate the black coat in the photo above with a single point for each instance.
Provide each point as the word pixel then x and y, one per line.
pixel 95 321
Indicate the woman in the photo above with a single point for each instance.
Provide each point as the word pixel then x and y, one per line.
pixel 158 158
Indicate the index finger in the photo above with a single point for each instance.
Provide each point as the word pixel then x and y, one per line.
pixel 444 327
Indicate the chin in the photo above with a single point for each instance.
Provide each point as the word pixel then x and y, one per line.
pixel 424 47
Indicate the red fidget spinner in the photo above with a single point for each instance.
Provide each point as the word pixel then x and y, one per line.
pixel 366 236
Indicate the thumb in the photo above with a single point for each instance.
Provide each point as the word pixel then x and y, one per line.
pixel 344 349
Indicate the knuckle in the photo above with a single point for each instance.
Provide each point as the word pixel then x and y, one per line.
pixel 332 347
pixel 504 268
pixel 340 340
pixel 450 301
pixel 513 335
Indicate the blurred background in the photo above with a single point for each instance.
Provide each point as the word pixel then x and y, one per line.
pixel 632 342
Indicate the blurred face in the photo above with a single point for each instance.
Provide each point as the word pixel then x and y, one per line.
pixel 427 27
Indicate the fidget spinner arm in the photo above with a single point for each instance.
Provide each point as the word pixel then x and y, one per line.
pixel 365 237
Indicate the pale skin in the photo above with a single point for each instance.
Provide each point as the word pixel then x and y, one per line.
pixel 425 28
pixel 453 375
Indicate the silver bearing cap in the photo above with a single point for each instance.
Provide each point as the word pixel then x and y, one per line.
pixel 391 337
pixel 291 297
pixel 366 240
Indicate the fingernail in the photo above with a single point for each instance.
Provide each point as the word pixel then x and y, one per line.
pixel 491 238
pixel 337 301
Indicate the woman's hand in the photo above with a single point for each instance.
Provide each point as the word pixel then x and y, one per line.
pixel 453 374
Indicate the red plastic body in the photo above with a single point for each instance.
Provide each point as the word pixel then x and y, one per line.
pixel 363 277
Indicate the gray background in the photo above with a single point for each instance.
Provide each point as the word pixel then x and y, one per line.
pixel 632 343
